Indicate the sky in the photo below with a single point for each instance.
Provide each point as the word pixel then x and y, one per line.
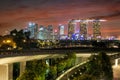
pixel 16 14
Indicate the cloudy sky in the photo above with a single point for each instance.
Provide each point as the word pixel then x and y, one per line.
pixel 17 13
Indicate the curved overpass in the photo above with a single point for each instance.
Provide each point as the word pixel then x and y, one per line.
pixel 9 57
pixel 26 55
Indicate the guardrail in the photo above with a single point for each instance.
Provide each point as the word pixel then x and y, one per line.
pixel 64 76
pixel 9 53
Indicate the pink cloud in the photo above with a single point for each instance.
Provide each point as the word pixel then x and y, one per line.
pixel 19 13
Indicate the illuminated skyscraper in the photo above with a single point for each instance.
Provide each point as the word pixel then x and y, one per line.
pixel 96 30
pixel 71 28
pixel 61 29
pixel 55 34
pixel 50 32
pixel 83 30
pixel 42 33
pixel 33 28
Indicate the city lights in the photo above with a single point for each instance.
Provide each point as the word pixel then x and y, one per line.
pixel 31 24
pixel 7 41
pixel 59 39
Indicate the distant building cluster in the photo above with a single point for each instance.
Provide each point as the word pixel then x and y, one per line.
pixel 83 32
pixel 49 33
pixel 41 32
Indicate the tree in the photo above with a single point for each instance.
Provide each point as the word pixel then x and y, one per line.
pixel 13 32
pixel 27 35
pixel 27 75
pixel 85 77
pixel 92 67
pixel 21 38
pixel 61 66
pixel 17 37
pixel 35 70
pixel 106 66
pixel 100 66
pixel 70 61
pixel 52 73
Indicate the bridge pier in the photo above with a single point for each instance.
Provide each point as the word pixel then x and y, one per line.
pixel 116 62
pixel 22 67
pixel 6 72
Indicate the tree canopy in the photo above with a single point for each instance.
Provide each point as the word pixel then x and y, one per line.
pixel 99 67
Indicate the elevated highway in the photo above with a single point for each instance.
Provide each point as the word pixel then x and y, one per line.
pixel 7 58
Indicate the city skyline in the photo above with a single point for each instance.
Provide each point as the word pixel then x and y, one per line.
pixel 17 14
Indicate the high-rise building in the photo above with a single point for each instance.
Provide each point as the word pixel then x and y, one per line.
pixel 61 29
pixel 50 32
pixel 96 30
pixel 41 33
pixel 45 33
pixel 71 28
pixel 83 30
pixel 55 34
pixel 33 28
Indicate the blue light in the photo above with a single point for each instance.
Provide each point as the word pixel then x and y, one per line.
pixel 76 36
pixel 73 37
pixel 82 37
